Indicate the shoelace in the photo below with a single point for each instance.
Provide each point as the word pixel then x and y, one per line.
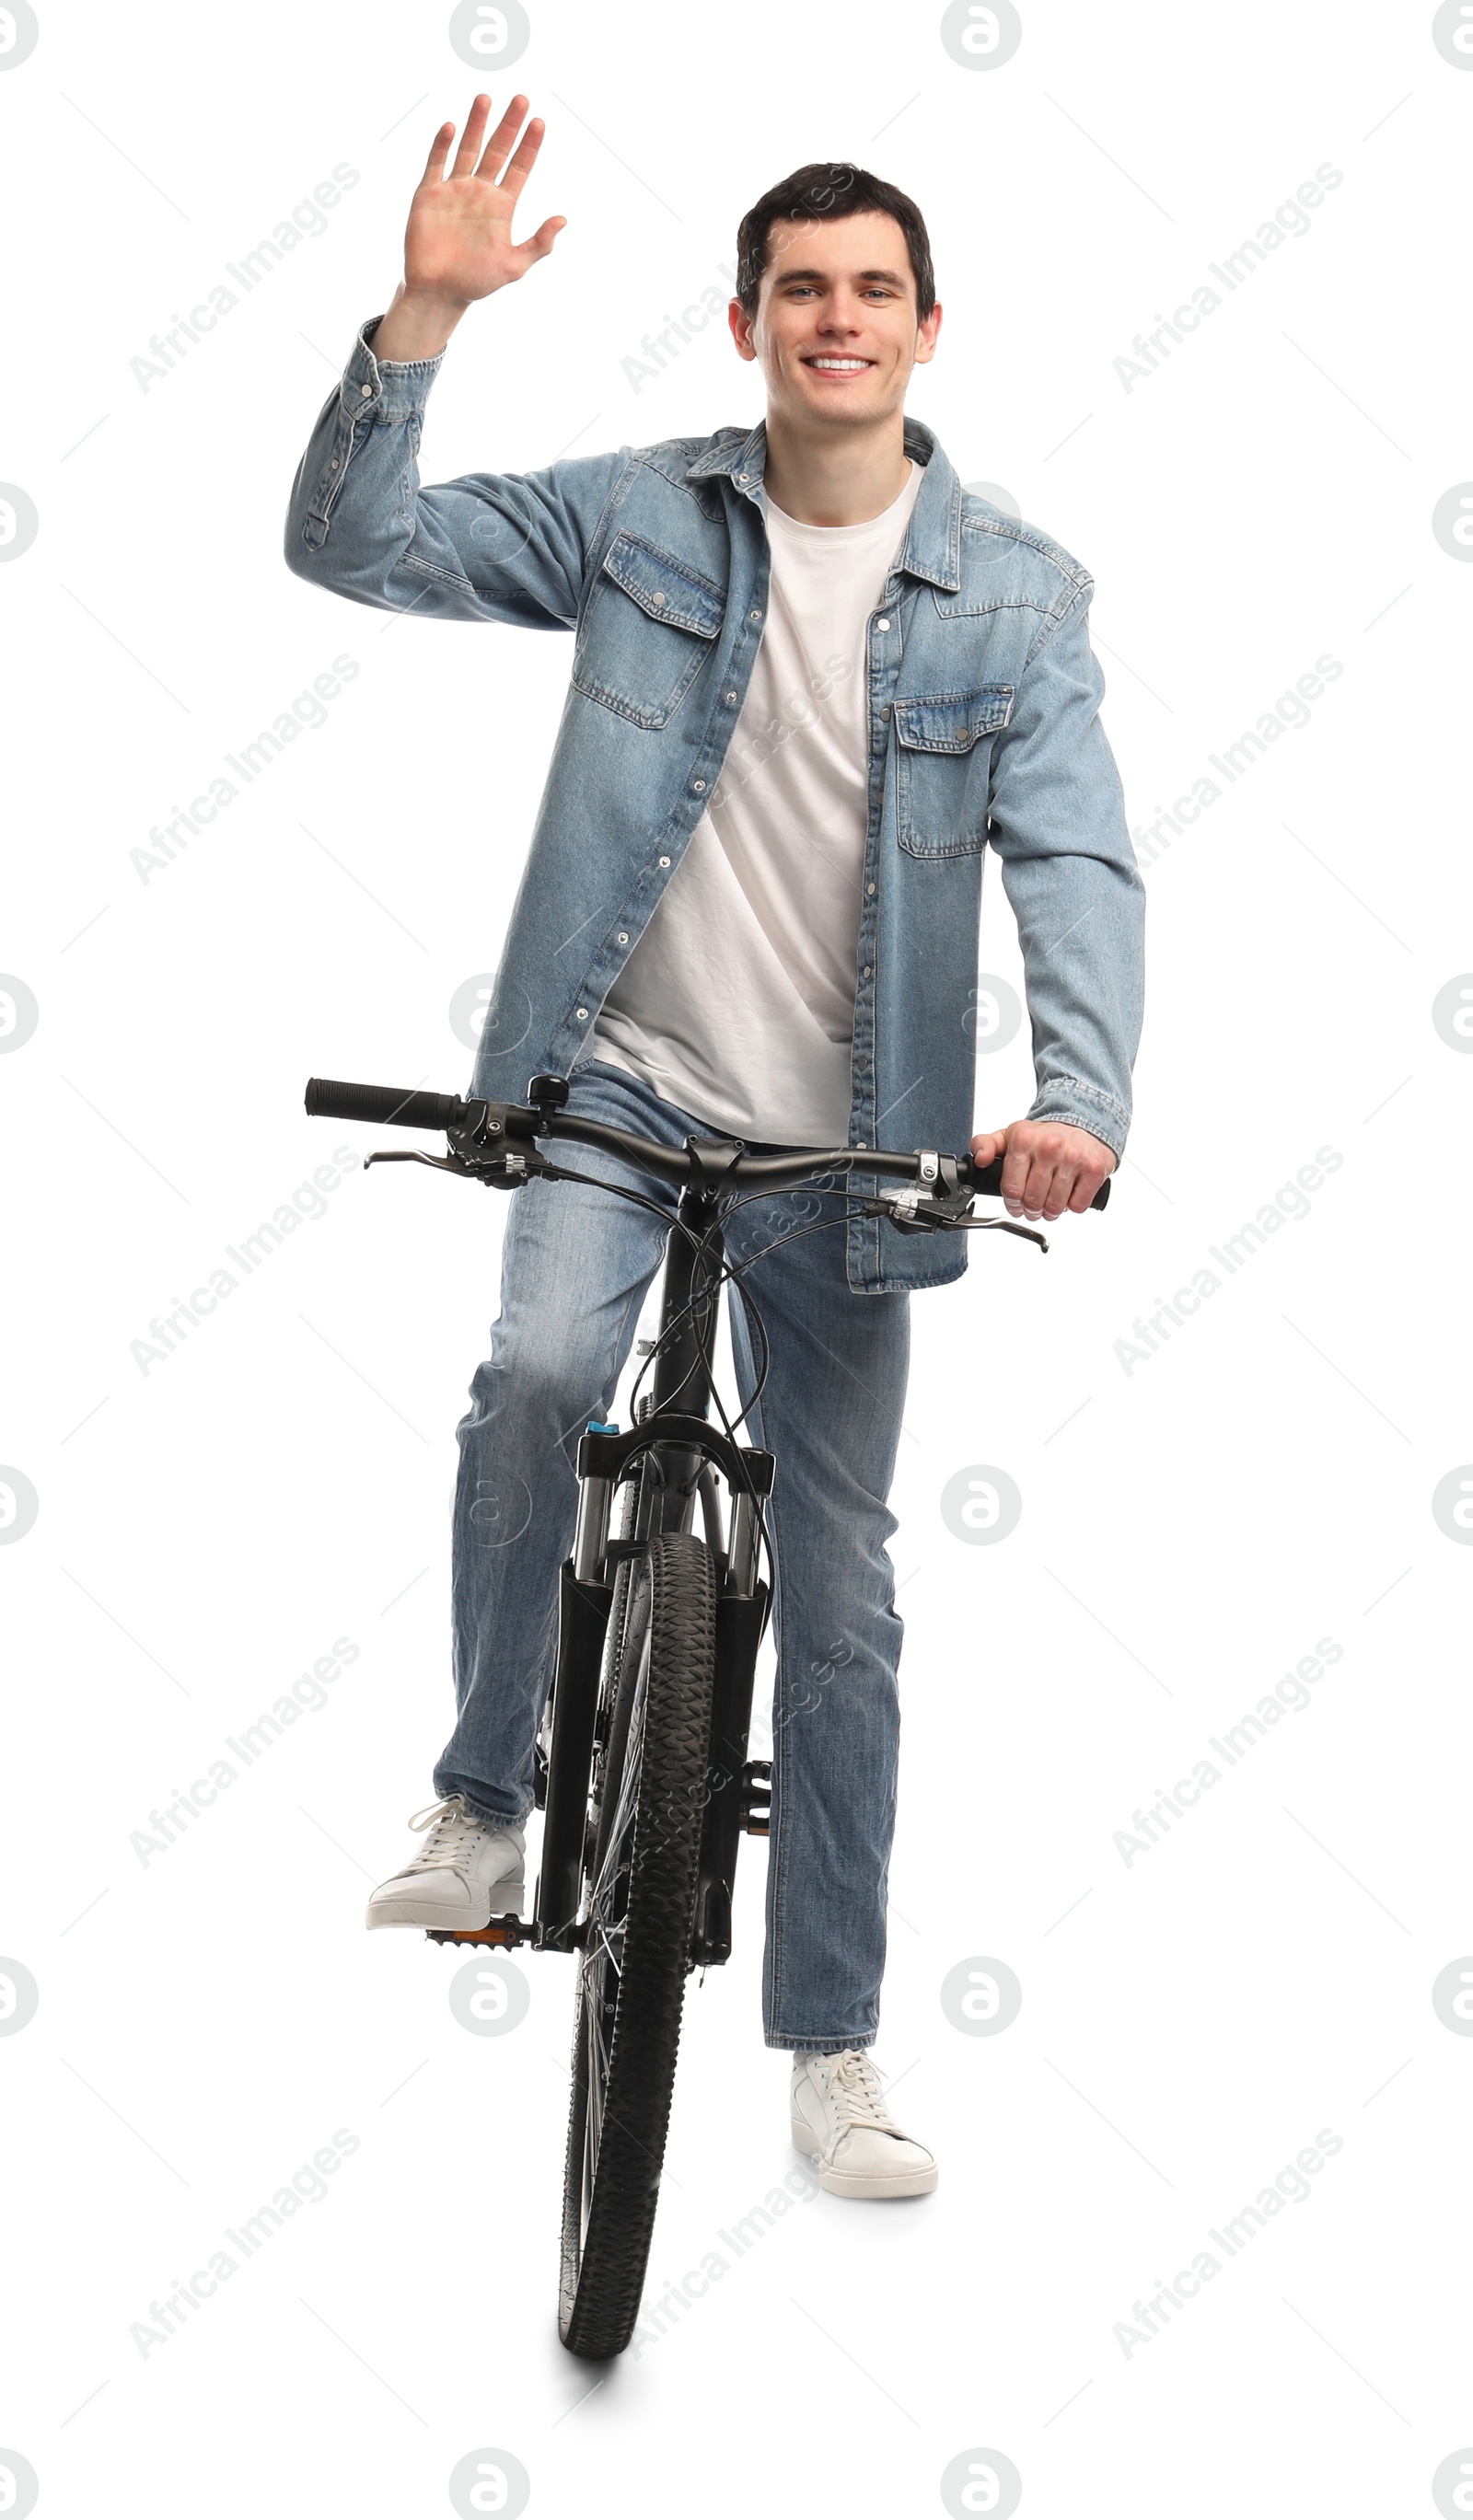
pixel 452 1838
pixel 858 2092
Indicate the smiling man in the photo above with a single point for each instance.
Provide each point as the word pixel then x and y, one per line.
pixel 812 681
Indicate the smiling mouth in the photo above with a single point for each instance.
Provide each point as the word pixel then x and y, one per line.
pixel 833 366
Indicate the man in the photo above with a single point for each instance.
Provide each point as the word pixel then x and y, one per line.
pixel 811 680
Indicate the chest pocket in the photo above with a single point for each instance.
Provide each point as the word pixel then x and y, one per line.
pixel 648 629
pixel 943 768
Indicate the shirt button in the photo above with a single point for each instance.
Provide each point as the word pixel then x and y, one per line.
pixel 365 392
pixel 332 464
pixel 658 599
pixel 622 937
pixel 665 861
pixel 582 1015
pixel 860 1148
pixel 868 972
pixel 754 616
pixel 882 625
pixel 885 711
pixel 731 699
pixel 699 787
pixel 869 887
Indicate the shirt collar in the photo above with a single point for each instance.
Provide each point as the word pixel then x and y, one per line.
pixel 933 538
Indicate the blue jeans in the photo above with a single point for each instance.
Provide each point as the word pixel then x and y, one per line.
pixel 576 1266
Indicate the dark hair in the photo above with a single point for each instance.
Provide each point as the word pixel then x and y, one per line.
pixel 831 191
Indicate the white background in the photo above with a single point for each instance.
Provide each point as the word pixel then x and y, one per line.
pixel 1190 1528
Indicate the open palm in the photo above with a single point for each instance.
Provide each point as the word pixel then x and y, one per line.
pixel 459 244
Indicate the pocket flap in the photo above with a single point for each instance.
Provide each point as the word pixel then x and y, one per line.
pixel 953 721
pixel 663 588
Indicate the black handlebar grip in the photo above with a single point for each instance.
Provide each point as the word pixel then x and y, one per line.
pixel 987 1182
pixel 383 1105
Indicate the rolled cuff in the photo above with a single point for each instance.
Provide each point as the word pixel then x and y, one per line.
pixel 1084 1106
pixel 396 389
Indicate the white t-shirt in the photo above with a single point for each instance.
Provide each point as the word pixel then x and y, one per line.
pixel 738 1001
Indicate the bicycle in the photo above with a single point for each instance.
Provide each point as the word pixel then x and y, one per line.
pixel 642 1773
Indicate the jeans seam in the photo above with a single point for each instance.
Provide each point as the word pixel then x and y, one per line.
pixel 777 1853
pixel 820 2047
pixel 498 1820
pixel 778 1856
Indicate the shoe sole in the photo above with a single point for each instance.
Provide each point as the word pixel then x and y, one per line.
pixel 504 1898
pixel 838 2183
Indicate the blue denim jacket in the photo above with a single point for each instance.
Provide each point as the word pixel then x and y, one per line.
pixel 984 730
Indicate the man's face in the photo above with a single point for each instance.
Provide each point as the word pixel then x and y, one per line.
pixel 835 332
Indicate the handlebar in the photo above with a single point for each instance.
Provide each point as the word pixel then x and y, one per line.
pixel 385 1105
pixel 510 1125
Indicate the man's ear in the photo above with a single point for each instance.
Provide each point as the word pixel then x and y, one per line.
pixel 741 329
pixel 926 337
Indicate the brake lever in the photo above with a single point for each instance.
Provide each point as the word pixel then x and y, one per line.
pixel 506 1170
pixel 415 1155
pixel 996 1225
pixel 910 1214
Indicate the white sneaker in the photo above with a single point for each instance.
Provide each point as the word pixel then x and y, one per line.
pixel 466 1871
pixel 841 2120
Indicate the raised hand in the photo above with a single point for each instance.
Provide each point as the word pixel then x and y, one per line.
pixel 458 243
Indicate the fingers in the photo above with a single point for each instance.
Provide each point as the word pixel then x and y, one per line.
pixel 526 158
pixel 536 247
pixel 1017 1166
pixel 1049 1185
pixel 544 240
pixel 470 138
pixel 1043 1190
pixel 1093 1165
pixel 435 163
pixel 1081 1196
pixel 499 146
pixel 1058 1192
pixel 1051 1178
pixel 1050 1169
pixel 472 160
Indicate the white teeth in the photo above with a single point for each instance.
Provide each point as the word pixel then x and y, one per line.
pixel 847 366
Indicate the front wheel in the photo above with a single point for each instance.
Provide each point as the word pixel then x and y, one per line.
pixel 633 1964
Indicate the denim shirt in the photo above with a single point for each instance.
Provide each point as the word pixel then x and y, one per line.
pixel 984 732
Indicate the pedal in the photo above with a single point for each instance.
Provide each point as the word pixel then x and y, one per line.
pixel 504 1930
pixel 756 1797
